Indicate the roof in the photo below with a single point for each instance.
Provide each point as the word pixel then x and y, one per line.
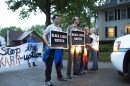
pixel 19 35
pixel 25 34
pixel 13 35
pixel 113 3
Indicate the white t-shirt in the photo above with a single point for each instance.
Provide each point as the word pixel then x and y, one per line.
pixel 95 41
pixel 51 27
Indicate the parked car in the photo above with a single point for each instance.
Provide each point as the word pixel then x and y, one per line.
pixel 120 56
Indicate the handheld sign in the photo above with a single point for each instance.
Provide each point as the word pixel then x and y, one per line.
pixel 58 40
pixel 77 38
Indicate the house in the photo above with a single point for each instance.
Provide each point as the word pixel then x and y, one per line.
pixel 2 41
pixel 113 19
pixel 17 37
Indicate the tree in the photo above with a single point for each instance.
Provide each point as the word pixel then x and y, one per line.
pixel 38 29
pixel 68 8
pixel 4 30
pixel 85 9
pixel 28 6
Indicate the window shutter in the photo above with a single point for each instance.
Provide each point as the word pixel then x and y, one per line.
pixel 115 14
pixel 115 31
pixel 128 12
pixel 118 14
pixel 106 32
pixel 106 16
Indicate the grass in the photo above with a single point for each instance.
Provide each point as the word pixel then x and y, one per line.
pixel 103 56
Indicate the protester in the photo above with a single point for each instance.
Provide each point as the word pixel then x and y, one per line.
pixel 94 49
pixel 73 57
pixel 31 40
pixel 84 58
pixel 51 53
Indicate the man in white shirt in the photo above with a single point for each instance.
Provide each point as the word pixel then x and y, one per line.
pixel 49 60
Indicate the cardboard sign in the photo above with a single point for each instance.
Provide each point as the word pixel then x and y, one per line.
pixel 77 38
pixel 59 40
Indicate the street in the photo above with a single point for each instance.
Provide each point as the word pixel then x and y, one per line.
pixel 24 76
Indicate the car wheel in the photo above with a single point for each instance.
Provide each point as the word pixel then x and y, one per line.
pixel 129 69
pixel 120 73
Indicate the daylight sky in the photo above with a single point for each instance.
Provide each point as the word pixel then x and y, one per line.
pixel 10 18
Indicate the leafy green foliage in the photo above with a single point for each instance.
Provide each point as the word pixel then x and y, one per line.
pixel 106 47
pixel 38 28
pixel 85 9
pixel 4 30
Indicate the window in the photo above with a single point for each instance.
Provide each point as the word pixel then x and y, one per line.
pixel 121 1
pixel 127 0
pixel 111 15
pixel 111 32
pixel 128 12
pixel 123 13
pixel 124 1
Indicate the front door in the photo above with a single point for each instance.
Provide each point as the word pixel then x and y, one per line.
pixel 127 29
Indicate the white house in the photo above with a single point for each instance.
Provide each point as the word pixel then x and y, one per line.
pixel 113 19
pixel 2 41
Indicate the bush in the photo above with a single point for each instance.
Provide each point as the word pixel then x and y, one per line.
pixel 106 47
pixel 107 42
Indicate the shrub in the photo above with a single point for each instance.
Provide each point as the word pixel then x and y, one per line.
pixel 106 47
pixel 107 42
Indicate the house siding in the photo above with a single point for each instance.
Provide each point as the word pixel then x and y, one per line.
pixel 117 22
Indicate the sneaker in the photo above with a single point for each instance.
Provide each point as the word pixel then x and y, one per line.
pixel 34 64
pixel 76 74
pixel 29 65
pixel 62 79
pixel 82 72
pixel 48 83
pixel 69 77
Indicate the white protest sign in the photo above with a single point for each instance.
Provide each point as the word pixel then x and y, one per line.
pixel 12 56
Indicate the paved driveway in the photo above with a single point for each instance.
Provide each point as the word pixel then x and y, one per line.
pixel 34 76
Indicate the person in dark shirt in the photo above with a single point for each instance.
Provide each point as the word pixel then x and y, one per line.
pixel 84 64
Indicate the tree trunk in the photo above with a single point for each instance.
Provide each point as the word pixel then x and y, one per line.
pixel 48 13
pixel 48 19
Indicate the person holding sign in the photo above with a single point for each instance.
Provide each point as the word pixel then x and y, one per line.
pixel 50 58
pixel 73 57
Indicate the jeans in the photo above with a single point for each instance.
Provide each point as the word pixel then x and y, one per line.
pixel 93 55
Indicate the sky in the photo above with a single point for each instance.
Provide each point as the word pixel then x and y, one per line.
pixel 9 18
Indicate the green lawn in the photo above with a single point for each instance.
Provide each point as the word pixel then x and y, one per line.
pixel 103 56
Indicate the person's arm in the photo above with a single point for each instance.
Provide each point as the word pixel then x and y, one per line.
pixel 45 39
pixel 45 34
pixel 88 44
pixel 68 30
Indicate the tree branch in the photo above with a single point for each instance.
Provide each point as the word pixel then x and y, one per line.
pixel 42 8
pixel 53 2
